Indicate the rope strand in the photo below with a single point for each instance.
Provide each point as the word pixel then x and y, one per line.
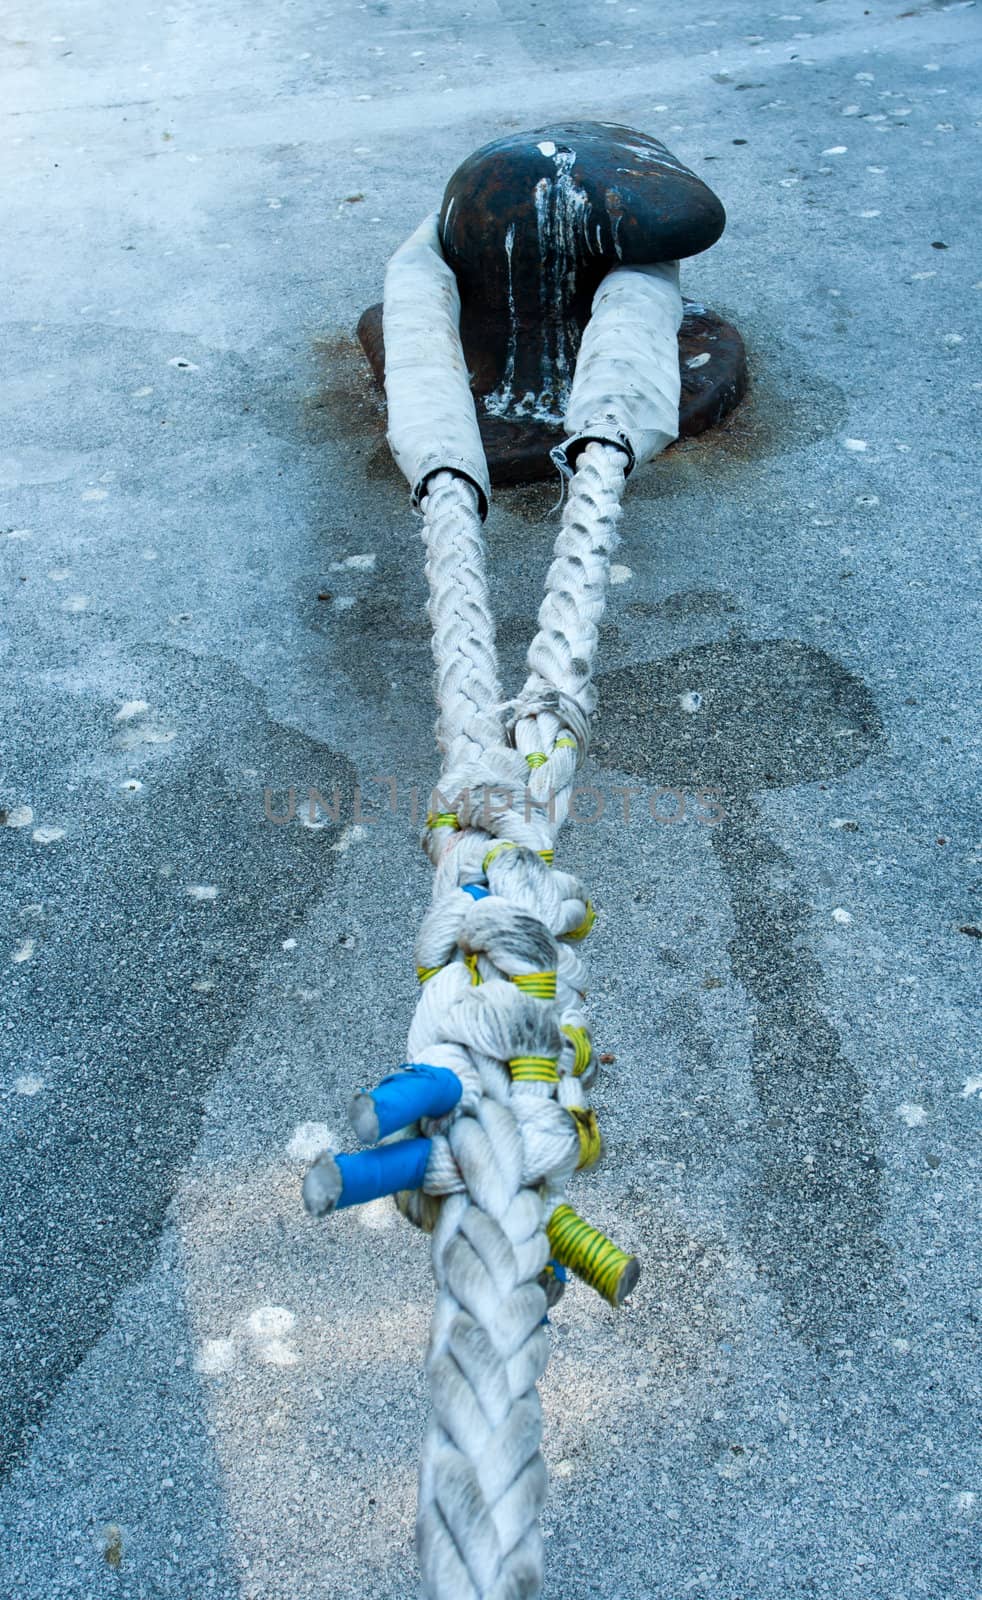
pixel 517 1039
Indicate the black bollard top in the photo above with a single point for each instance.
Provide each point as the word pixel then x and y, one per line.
pixel 533 222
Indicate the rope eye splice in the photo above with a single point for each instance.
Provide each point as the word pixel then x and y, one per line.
pixel 477 1137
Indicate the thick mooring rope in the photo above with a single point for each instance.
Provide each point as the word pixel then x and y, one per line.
pixel 503 1009
pixel 492 1104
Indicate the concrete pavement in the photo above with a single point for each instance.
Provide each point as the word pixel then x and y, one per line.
pixel 214 588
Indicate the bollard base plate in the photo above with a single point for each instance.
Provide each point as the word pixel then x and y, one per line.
pixel 518 451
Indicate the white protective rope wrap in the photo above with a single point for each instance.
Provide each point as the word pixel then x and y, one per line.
pixel 432 422
pixel 622 389
pixel 501 1002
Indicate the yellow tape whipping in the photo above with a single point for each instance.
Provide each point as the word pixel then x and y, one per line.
pixel 540 984
pixel 582 1048
pixel 533 1069
pixel 591 1255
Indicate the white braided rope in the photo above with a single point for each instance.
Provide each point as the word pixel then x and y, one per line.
pixel 498 1163
pixel 561 657
pixel 502 1162
pixel 466 682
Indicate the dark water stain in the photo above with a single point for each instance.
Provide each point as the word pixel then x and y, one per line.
pixel 346 402
pixel 106 1014
pixel 774 713
pixel 347 406
pixel 813 1219
pixel 384 643
pixel 381 468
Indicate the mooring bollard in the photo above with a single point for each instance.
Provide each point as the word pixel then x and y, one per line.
pixel 531 224
pixel 534 322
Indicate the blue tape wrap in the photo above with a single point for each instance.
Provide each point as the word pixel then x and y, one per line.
pixel 417 1091
pixel 370 1174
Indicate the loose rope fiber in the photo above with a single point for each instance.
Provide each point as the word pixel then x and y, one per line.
pixel 492 1103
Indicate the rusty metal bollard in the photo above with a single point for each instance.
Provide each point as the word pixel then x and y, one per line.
pixel 531 224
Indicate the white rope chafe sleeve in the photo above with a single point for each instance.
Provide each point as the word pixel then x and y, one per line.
pixel 501 1013
pixel 627 383
pixel 432 421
